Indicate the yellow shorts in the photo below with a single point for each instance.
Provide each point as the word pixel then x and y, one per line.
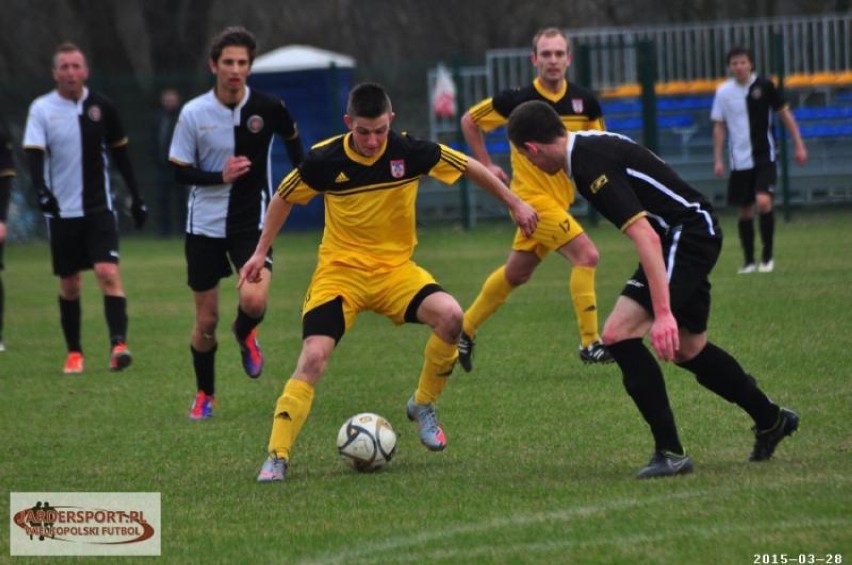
pixel 388 291
pixel 556 227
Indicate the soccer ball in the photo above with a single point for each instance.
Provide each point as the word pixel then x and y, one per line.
pixel 366 442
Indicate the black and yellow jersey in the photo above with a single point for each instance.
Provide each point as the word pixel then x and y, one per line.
pixel 369 202
pixel 577 107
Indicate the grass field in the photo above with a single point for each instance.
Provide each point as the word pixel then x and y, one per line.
pixel 542 449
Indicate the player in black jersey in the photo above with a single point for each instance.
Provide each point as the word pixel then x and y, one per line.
pixel 67 135
pixel 220 149
pixel 7 173
pixel 678 240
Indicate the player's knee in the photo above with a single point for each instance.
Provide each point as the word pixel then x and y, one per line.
pixel 517 277
pixel 206 322
pixel 449 326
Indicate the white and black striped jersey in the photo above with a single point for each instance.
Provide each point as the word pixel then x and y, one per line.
pixel 625 181
pixel 75 136
pixel 207 133
pixel 747 112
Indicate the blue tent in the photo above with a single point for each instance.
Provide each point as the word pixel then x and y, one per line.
pixel 314 84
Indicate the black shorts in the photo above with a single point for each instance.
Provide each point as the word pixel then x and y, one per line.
pixel 745 184
pixel 209 259
pixel 76 244
pixel 689 261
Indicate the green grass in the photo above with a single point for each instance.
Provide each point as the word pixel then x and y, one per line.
pixel 542 449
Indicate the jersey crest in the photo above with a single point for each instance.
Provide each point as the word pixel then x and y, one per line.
pixel 95 113
pixel 254 123
pixel 397 168
pixel 577 105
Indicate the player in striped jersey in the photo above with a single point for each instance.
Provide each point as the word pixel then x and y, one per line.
pixel 220 149
pixel 368 179
pixel 550 195
pixel 678 240
pixel 742 112
pixel 70 137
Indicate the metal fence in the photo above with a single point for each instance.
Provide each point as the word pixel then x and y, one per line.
pixel 684 53
pixel 688 53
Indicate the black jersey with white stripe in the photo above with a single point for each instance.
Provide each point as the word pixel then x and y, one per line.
pixel 746 109
pixel 75 136
pixel 207 133
pixel 625 181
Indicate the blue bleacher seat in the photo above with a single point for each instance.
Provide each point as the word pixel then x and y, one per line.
pixel 827 113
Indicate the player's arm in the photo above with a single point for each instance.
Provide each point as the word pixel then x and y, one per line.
pixel 475 139
pixel 524 215
pixel 234 168
pixel 5 196
pixel 720 133
pixel 288 130
pixel 786 117
pixel 664 333
pixel 47 201
pixel 276 215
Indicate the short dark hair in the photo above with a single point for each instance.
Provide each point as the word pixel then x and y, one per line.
pixel 233 36
pixel 368 100
pixel 534 121
pixel 737 51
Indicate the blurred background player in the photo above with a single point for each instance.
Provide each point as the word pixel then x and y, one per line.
pixel 171 197
pixel 7 173
pixel 220 150
pixel 678 241
pixel 68 133
pixel 742 112
pixel 551 196
pixel 368 179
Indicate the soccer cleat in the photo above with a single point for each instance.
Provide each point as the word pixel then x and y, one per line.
pixel 119 357
pixel 274 470
pixel 73 363
pixel 251 353
pixel 466 344
pixel 747 269
pixel 665 464
pixel 2 347
pixel 766 266
pixel 431 433
pixel 595 352
pixel 202 406
pixel 767 440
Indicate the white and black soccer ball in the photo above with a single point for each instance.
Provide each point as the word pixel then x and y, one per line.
pixel 366 442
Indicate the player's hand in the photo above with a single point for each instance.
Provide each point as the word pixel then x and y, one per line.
pixel 718 168
pixel 252 270
pixel 139 211
pixel 235 167
pixel 47 201
pixel 664 337
pixel 525 217
pixel 801 155
pixel 499 173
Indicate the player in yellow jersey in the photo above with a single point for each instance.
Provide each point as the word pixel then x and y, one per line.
pixel 368 179
pixel 550 195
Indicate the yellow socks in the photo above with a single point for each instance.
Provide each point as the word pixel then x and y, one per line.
pixel 582 285
pixel 291 411
pixel 440 357
pixel 495 290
